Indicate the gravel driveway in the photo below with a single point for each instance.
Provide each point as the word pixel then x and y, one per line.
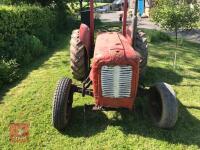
pixel 193 35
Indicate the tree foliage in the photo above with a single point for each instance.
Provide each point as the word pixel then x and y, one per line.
pixel 41 2
pixel 174 15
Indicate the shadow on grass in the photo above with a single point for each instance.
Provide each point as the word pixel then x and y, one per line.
pixel 25 70
pixel 157 74
pixel 91 122
pixel 85 122
pixel 185 132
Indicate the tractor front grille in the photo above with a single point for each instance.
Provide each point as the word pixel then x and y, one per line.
pixel 116 81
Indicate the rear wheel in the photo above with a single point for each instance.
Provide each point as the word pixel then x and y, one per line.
pixel 163 106
pixel 78 57
pixel 62 104
pixel 142 48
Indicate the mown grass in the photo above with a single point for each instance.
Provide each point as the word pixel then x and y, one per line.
pixel 30 101
pixel 198 25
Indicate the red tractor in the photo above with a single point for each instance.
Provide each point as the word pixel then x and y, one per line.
pixel 118 63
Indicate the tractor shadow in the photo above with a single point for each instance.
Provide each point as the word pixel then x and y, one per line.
pixel 185 132
pixel 157 74
pixel 85 122
pixel 138 122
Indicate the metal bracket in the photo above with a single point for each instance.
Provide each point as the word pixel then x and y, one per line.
pixel 84 90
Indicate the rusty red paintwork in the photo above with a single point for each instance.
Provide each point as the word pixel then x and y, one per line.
pixel 85 37
pixel 112 48
pixel 128 34
pixel 87 33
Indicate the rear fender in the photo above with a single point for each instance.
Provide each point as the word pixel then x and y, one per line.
pixel 85 38
pixel 128 35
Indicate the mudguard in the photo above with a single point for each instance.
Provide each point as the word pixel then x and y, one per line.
pixel 85 38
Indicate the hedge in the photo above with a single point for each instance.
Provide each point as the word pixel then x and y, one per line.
pixel 25 33
pixel 8 71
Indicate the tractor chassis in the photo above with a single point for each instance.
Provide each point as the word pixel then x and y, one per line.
pixel 85 90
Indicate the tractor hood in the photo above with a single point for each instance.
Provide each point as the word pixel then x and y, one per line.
pixel 113 48
pixel 115 64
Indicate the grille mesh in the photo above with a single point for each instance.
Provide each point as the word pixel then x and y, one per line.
pixel 116 81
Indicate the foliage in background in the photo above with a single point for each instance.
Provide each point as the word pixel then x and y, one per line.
pixel 41 2
pixel 174 15
pixel 8 71
pixel 27 32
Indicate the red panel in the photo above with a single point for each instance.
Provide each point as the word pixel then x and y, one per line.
pixel 85 37
pixel 128 35
pixel 113 49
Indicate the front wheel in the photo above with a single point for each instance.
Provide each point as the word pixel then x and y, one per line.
pixel 62 104
pixel 163 106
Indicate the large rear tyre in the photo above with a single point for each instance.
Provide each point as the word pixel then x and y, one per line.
pixel 142 48
pixel 62 104
pixel 78 57
pixel 163 105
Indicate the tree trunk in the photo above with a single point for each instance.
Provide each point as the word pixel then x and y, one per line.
pixel 176 32
pixel 81 5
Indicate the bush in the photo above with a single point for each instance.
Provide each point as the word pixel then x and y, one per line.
pixel 158 36
pixel 25 33
pixel 8 71
pixel 25 30
pixel 29 47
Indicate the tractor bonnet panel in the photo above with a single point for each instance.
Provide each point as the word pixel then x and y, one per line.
pixel 113 58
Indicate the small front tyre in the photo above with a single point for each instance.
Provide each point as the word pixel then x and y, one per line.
pixel 62 104
pixel 163 106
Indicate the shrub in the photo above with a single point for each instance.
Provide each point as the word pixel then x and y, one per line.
pixel 29 47
pixel 25 30
pixel 25 33
pixel 8 71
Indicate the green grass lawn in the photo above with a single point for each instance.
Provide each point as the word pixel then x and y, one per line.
pixel 198 24
pixel 30 101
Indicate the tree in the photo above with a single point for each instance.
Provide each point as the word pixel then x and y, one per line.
pixel 41 2
pixel 175 15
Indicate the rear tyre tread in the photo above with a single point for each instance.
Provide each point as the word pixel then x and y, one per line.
pixel 142 49
pixel 78 57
